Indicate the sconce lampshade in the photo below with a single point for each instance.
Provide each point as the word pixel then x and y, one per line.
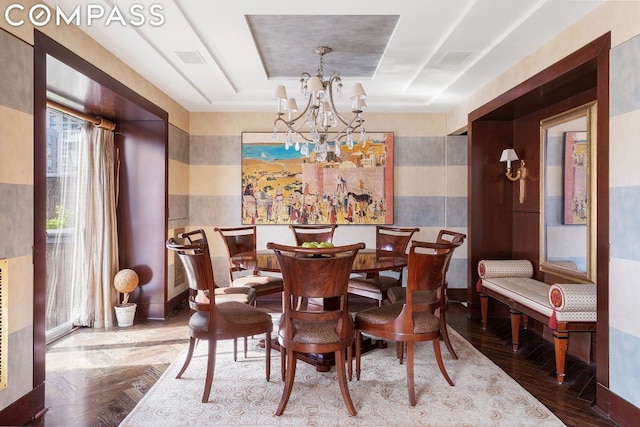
pixel 508 155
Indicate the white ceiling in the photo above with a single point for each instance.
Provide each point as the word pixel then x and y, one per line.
pixel 435 54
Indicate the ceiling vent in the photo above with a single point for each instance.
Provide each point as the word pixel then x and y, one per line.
pixel 191 57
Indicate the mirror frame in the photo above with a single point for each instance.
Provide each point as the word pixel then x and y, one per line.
pixel 589 111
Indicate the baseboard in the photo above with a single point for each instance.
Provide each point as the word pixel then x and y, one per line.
pixel 24 410
pixel 159 311
pixel 622 411
pixel 457 294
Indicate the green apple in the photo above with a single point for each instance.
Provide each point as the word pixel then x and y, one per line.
pixel 325 245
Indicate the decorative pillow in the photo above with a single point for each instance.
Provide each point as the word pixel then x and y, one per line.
pixel 488 269
pixel 573 296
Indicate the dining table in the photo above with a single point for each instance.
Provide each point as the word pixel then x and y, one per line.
pixel 367 262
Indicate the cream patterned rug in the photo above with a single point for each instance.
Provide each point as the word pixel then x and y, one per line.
pixel 483 394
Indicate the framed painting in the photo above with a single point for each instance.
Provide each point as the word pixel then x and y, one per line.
pixel 576 176
pixel 345 186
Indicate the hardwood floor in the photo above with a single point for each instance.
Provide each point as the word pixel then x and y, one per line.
pixel 95 378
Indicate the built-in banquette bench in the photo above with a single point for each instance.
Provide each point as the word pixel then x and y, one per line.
pixel 564 308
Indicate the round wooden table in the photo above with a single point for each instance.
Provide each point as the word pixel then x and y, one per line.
pixel 366 261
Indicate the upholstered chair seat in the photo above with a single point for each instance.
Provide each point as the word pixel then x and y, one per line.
pixel 314 332
pixel 243 295
pixel 266 284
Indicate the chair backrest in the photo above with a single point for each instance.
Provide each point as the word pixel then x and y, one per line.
pixel 426 272
pixel 315 273
pixel 447 236
pixel 195 237
pixel 237 240
pixel 313 233
pixel 394 239
pixel 198 269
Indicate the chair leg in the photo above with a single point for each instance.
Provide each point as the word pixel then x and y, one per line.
pixel 410 379
pixel 438 353
pixel 235 350
pixel 192 346
pixel 267 346
pixel 400 351
pixel 444 334
pixel 342 380
pixel 283 361
pixel 245 347
pixel 358 353
pixel 288 383
pixel 211 365
pixel 350 361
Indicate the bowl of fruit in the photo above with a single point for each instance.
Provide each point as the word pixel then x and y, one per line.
pixel 317 245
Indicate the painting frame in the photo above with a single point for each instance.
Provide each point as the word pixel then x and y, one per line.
pixel 350 186
pixel 576 178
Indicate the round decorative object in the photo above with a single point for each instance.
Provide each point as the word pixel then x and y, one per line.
pixel 126 280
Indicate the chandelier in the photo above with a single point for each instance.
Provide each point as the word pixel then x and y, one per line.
pixel 320 122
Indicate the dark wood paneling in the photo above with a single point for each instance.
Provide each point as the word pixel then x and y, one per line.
pixel 490 199
pixel 142 211
pixel 575 80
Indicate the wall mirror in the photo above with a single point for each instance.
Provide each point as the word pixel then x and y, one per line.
pixel 568 194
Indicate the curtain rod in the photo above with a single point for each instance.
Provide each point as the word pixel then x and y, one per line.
pixel 97 121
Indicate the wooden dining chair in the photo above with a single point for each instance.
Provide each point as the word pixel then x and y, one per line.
pixel 211 321
pixel 313 233
pixel 243 239
pixel 320 273
pixel 414 320
pixel 239 293
pixel 399 294
pixel 376 285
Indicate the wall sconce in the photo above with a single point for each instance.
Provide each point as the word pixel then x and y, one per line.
pixel 509 155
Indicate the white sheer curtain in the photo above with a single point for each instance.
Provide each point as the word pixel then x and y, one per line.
pixel 61 199
pixel 95 259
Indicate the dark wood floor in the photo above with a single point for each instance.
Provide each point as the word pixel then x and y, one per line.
pixel 95 378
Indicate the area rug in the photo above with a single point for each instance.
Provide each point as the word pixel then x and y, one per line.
pixel 483 394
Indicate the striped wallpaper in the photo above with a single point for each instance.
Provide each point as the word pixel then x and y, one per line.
pixel 624 229
pixel 16 209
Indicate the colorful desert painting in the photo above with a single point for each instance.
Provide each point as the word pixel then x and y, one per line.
pixel 349 186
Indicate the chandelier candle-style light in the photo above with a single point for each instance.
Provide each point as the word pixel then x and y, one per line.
pixel 320 122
